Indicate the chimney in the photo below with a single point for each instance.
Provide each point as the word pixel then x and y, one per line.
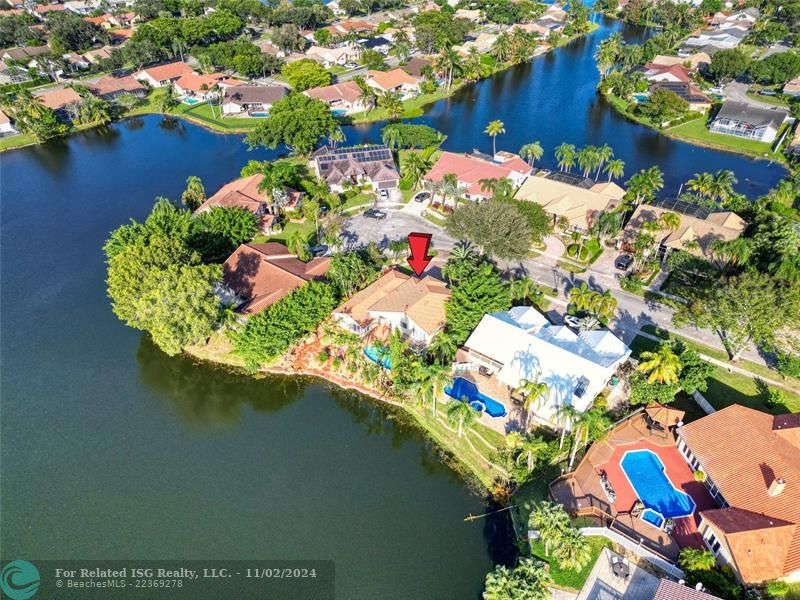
pixel 776 487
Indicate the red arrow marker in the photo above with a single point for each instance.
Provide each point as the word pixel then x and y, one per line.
pixel 419 243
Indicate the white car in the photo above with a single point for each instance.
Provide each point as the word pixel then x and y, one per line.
pixel 571 321
pixel 384 194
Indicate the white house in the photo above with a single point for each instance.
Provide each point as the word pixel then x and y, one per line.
pixel 415 307
pixel 6 128
pixel 162 75
pixel 251 98
pixel 333 56
pixel 747 121
pixel 521 344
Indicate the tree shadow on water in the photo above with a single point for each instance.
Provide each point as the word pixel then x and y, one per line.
pixel 202 394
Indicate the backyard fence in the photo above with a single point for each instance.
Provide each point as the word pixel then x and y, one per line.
pixel 638 549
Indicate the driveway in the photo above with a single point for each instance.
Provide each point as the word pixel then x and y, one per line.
pixel 359 229
pixel 737 92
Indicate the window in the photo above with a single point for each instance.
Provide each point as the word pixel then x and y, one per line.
pixel 712 542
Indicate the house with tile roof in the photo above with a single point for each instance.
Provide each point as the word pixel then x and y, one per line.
pixel 6 127
pixel 396 301
pixel 110 88
pixel 519 344
pixel 60 100
pixel 256 276
pixel 669 73
pixel 329 57
pixel 577 204
pixel 792 87
pixel 471 169
pixel 688 91
pixel 372 165
pixel 693 62
pixel 751 465
pixel 396 80
pixel 694 234
pixel 162 75
pixel 201 86
pixel 340 97
pixel 244 193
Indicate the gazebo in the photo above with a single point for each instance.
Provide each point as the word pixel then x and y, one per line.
pixel 665 416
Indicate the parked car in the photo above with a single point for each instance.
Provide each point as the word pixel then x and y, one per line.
pixel 383 194
pixel 767 92
pixel 319 250
pixel 571 321
pixel 422 196
pixel 374 213
pixel 623 262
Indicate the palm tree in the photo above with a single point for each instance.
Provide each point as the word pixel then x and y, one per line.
pixel 588 159
pixel 530 449
pixel 607 224
pixel 722 185
pixel 565 416
pixel 392 103
pixel 565 154
pixel 443 347
pixel 701 183
pixel 296 243
pixel 615 168
pixel 500 584
pixel 581 296
pixel 551 520
pixel 605 153
pixel 670 221
pixel 605 57
pixel 451 188
pixel 734 252
pixel 493 129
pixel 415 165
pixel 531 152
pixel 367 96
pixel 645 183
pixel 661 366
pixel 533 580
pixel 524 289
pixel 501 49
pixel 603 305
pixel 573 551
pixel 462 415
pixel 533 393
pixel 195 193
pixel 432 382
pixel 472 65
pixel 448 62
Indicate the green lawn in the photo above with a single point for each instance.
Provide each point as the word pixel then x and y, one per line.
pixel 755 368
pixel 358 199
pixel 774 100
pixel 16 141
pixel 434 218
pixel 198 113
pixel 306 228
pixel 696 132
pixel 412 108
pixel 726 388
pixel 569 579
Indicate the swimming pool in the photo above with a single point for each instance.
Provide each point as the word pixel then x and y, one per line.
pixel 645 472
pixel 339 112
pixel 191 101
pixel 461 388
pixel 372 353
pixel 640 97
pixel 653 517
pixel 260 113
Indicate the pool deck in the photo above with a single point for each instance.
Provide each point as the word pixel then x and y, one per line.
pixel 582 493
pixel 515 417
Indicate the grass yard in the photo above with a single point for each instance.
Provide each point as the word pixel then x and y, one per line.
pixel 569 579
pixel 755 368
pixel 696 132
pixel 412 108
pixel 306 228
pixel 726 388
pixel 773 100
pixel 358 200
pixel 434 218
pixel 16 141
pixel 198 113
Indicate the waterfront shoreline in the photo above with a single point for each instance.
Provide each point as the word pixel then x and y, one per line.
pixel 478 481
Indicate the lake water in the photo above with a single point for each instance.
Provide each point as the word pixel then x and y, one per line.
pixel 110 449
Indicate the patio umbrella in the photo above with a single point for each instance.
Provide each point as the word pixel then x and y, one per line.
pixel 664 414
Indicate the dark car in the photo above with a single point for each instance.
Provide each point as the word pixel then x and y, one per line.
pixel 318 250
pixel 623 262
pixel 374 213
pixel 422 197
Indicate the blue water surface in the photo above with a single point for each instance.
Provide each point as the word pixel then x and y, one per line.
pixel 372 353
pixel 464 387
pixel 645 471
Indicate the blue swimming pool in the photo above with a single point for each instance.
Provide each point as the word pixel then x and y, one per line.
pixel 191 101
pixel 653 517
pixel 339 112
pixel 260 113
pixel 640 97
pixel 645 471
pixel 372 353
pixel 461 388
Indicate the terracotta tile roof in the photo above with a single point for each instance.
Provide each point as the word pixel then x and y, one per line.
pixel 470 170
pixel 347 91
pixel 4 118
pixel 262 274
pixel 389 80
pixel 172 70
pixel 578 205
pixel 96 20
pixel 243 193
pixel 58 99
pixel 677 71
pixel 762 454
pixel 111 85
pixel 423 300
pixel 195 82
pixel 46 8
pixel 670 590
pixel 695 60
pixel 124 34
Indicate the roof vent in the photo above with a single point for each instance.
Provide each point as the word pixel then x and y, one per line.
pixel 776 487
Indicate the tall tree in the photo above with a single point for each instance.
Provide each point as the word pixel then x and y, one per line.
pixel 493 129
pixel 460 414
pixel 661 366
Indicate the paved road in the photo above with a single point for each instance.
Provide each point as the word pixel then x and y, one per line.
pixel 633 312
pixel 737 92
